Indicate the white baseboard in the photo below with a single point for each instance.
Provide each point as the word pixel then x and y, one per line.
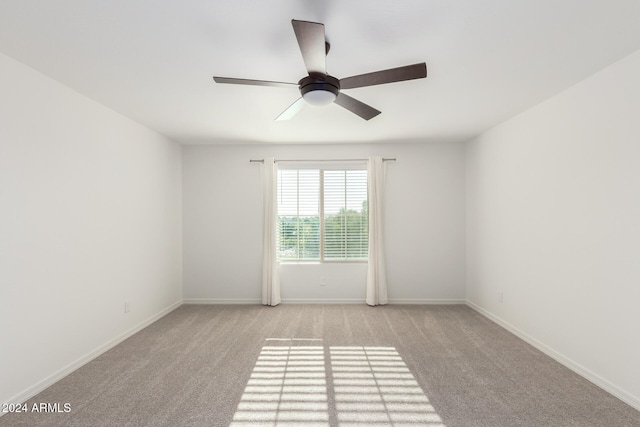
pixel 323 301
pixel 250 301
pixel 428 301
pixel 607 386
pixel 61 373
pixel 222 301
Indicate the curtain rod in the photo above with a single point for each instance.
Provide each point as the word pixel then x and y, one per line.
pixel 386 159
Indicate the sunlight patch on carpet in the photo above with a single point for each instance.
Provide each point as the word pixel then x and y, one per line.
pixel 370 386
pixel 374 387
pixel 287 387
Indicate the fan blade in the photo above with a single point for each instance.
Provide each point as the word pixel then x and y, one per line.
pixel 409 72
pixel 357 107
pixel 231 80
pixel 291 110
pixel 311 40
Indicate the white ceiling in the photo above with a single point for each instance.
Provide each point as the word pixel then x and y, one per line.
pixel 153 60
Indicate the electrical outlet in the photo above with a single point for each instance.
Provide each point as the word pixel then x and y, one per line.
pixel 500 297
pixel 127 307
pixel 323 281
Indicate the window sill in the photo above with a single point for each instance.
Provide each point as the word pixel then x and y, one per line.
pixel 318 262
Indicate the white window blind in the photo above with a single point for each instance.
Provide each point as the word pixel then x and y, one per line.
pixel 322 213
pixel 345 214
pixel 299 214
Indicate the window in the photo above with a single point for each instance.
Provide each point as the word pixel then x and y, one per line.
pixel 322 213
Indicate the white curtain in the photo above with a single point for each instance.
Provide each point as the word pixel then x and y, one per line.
pixel 376 272
pixel 270 266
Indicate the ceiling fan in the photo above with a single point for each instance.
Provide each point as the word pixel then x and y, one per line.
pixel 320 88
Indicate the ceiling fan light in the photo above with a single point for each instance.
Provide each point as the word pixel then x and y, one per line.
pixel 319 89
pixel 319 97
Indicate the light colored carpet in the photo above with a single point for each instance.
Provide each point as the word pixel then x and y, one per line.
pixel 308 365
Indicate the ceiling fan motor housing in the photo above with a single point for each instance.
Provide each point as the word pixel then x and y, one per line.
pixel 321 83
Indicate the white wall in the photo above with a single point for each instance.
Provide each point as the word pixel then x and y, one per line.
pixel 89 218
pixel 222 225
pixel 553 222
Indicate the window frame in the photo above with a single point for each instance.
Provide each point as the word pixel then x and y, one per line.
pixel 321 166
